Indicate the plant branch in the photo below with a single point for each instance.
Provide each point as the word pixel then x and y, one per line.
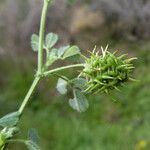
pixel 41 36
pixel 28 95
pixel 36 80
pixel 61 68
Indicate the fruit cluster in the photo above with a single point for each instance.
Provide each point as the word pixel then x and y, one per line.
pixel 107 71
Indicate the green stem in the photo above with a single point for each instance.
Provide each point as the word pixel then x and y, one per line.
pixel 36 80
pixel 40 56
pixel 27 97
pixel 41 36
pixel 62 68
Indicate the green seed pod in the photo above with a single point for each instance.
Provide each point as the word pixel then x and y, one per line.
pixel 107 71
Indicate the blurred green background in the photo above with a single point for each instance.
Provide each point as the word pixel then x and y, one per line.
pixel 120 121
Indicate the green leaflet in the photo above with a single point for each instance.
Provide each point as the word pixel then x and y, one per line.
pixel 55 54
pixel 33 135
pixel 79 83
pixel 62 86
pixel 79 102
pixel 9 120
pixel 72 51
pixel 65 52
pixel 52 57
pixel 35 42
pixel 62 50
pixel 51 40
pixel 32 140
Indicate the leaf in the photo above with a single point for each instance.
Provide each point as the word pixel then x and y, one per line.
pixel 35 42
pixel 79 83
pixel 79 102
pixel 9 120
pixel 62 50
pixel 33 135
pixel 51 40
pixel 32 146
pixel 53 53
pixel 74 50
pixel 52 57
pixel 51 61
pixel 62 86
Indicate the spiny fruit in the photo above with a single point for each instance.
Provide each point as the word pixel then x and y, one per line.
pixel 107 71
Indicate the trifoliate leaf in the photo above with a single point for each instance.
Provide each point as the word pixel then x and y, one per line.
pixel 79 102
pixel 33 135
pixel 9 120
pixel 62 50
pixel 72 51
pixel 51 40
pixel 62 86
pixel 32 146
pixel 35 42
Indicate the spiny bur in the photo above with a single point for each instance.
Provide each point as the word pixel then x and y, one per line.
pixel 107 71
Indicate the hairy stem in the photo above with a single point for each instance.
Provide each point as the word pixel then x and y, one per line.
pixel 28 95
pixel 62 68
pixel 41 36
pixel 40 56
